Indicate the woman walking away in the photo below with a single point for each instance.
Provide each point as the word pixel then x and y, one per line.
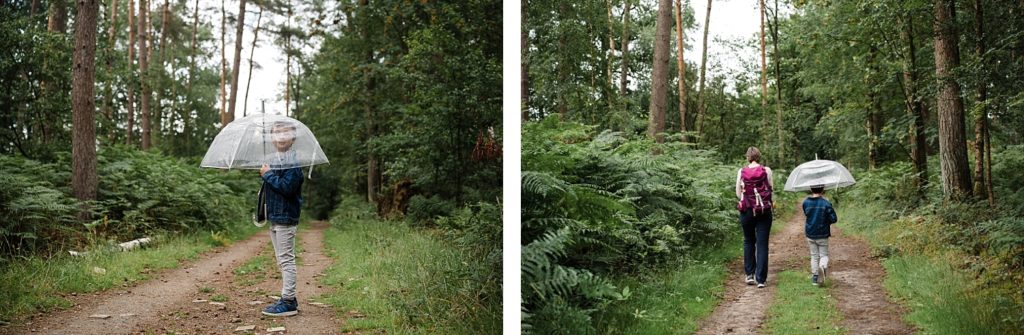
pixel 754 189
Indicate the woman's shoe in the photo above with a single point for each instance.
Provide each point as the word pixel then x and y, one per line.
pixel 750 280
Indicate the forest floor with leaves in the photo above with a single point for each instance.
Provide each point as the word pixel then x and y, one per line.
pixel 854 282
pixel 209 295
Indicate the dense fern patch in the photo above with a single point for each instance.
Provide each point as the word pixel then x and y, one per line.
pixel 140 193
pixel 600 204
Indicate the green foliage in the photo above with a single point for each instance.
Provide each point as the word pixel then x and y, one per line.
pixel 414 86
pixel 1007 178
pixel 423 210
pixel 140 193
pixel 596 204
pixel 413 280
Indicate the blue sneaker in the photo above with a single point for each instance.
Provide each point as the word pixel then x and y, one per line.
pixel 283 307
pixel 814 280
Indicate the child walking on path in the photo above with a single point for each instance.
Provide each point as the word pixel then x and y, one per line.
pixel 820 215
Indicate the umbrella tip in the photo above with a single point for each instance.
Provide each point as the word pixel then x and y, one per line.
pixel 815 156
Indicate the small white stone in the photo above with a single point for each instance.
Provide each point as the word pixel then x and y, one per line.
pixel 99 316
pixel 199 300
pixel 275 329
pixel 127 315
pixel 245 328
pixel 99 270
pixel 318 304
pixel 255 302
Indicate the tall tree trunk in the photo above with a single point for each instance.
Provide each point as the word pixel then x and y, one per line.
pixel 524 67
pixel 223 65
pixel 681 66
pixel 624 44
pixel 230 116
pixel 610 86
pixel 108 100
pixel 765 137
pixel 187 118
pixel 288 64
pixel 703 75
pixel 563 71
pixel 58 18
pixel 981 119
pixel 248 82
pixel 873 123
pixel 83 107
pixel 144 73
pixel 33 8
pixel 659 72
pixel 956 176
pixel 778 86
pixel 131 73
pixel 915 109
pixel 159 83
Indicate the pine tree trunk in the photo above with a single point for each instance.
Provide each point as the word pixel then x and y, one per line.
pixel 764 66
pixel 915 109
pixel 681 66
pixel 610 73
pixel 287 64
pixel 108 101
pixel 83 107
pixel 778 87
pixel 144 73
pixel 131 74
pixel 223 65
pixel 659 72
pixel 58 18
pixel 33 8
pixel 624 44
pixel 187 118
pixel 524 68
pixel 872 121
pixel 956 177
pixel 230 116
pixel 159 76
pixel 703 75
pixel 252 51
pixel 981 119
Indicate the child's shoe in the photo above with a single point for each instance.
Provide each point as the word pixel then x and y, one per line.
pixel 750 280
pixel 814 280
pixel 283 307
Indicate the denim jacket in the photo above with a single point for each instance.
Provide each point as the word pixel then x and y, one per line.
pixel 282 190
pixel 820 215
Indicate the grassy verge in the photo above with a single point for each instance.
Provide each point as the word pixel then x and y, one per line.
pixel 386 279
pixel 942 299
pixel 675 300
pixel 38 284
pixel 801 308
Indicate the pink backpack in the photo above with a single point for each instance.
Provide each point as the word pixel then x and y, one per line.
pixel 757 192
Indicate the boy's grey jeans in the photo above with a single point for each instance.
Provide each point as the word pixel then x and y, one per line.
pixel 283 238
pixel 819 254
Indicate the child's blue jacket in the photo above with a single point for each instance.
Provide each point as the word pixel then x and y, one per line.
pixel 820 215
pixel 283 189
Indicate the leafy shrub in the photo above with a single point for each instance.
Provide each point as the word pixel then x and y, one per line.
pixel 424 210
pixel 597 204
pixel 1008 179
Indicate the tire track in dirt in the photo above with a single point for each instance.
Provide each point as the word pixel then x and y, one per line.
pixel 164 303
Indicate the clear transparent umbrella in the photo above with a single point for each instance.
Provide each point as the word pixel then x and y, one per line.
pixel 249 142
pixel 830 174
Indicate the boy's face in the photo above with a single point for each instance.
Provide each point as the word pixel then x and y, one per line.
pixel 283 138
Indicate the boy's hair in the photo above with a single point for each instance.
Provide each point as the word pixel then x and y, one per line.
pixel 753 155
pixel 818 189
pixel 282 125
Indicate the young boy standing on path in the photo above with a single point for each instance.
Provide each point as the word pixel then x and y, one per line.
pixel 279 202
pixel 820 215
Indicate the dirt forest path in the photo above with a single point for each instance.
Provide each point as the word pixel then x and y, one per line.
pixel 170 302
pixel 856 283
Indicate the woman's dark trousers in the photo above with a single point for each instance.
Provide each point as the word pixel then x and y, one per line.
pixel 755 238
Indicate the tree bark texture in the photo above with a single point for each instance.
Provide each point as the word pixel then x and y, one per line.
pixel 57 21
pixel 108 100
pixel 703 74
pixel 223 65
pixel 252 52
pixel 681 66
pixel 144 73
pixel 83 104
pixel 131 74
pixel 624 45
pixel 873 119
pixel 187 118
pixel 980 120
pixel 915 109
pixel 159 75
pixel 659 72
pixel 778 86
pixel 956 177
pixel 230 116
pixel 524 66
